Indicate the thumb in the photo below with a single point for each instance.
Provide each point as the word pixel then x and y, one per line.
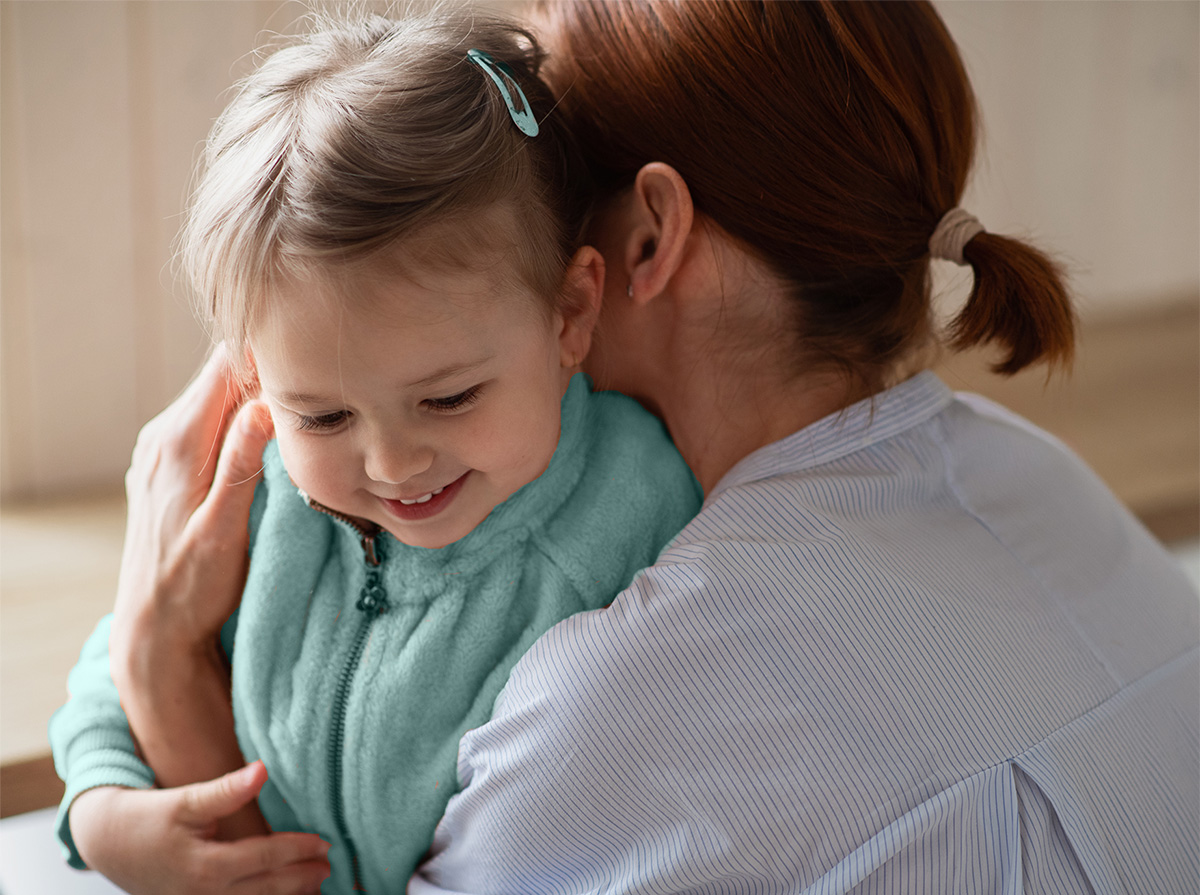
pixel 240 463
pixel 206 803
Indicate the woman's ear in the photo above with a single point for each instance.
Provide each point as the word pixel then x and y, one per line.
pixel 579 306
pixel 661 218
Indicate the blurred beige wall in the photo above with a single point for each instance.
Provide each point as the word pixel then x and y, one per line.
pixel 1091 138
pixel 104 106
pixel 1092 146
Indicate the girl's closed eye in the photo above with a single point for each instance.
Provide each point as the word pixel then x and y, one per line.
pixel 323 423
pixel 455 402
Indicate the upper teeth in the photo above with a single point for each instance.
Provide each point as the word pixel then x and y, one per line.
pixel 423 498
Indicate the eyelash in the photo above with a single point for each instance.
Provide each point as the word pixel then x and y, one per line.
pixel 322 423
pixel 329 421
pixel 455 402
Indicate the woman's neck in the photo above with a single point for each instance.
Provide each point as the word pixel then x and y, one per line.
pixel 721 416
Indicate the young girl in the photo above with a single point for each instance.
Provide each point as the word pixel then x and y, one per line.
pixel 387 231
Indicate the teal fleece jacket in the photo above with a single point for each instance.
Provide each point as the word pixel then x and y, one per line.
pixel 360 661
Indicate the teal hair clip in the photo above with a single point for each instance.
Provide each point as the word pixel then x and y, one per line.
pixel 502 76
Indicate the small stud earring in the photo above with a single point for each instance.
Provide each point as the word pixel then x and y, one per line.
pixel 629 290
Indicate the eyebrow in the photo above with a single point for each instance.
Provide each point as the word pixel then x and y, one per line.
pixel 302 398
pixel 432 379
pixel 451 370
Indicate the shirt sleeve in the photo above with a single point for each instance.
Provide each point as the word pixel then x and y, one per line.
pixel 90 736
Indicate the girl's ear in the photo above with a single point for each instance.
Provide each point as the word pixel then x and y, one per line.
pixel 660 222
pixel 579 306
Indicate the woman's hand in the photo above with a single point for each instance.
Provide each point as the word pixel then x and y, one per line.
pixel 189 490
pixel 164 840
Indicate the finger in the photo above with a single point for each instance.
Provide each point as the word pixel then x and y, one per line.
pixel 241 454
pixel 216 407
pixel 187 434
pixel 206 390
pixel 227 504
pixel 213 386
pixel 304 878
pixel 241 386
pixel 204 803
pixel 196 421
pixel 262 856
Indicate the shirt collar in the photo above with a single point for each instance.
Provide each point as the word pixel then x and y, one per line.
pixel 856 427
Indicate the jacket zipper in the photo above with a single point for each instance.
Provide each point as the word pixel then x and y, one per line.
pixel 372 602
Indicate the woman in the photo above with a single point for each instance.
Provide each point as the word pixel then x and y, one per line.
pixel 909 644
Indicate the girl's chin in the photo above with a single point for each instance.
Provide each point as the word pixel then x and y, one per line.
pixel 433 544
pixel 433 539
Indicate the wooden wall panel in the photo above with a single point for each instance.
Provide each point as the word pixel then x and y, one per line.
pixel 15 457
pixel 105 107
pixel 76 188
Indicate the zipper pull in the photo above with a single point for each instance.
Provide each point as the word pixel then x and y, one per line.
pixel 373 597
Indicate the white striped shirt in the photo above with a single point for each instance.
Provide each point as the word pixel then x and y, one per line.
pixel 915 647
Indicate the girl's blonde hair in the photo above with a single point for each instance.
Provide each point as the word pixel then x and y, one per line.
pixel 363 133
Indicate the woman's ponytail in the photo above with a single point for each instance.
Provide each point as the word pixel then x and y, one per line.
pixel 1019 301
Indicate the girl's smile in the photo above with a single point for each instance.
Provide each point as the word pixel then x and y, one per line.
pixel 426 505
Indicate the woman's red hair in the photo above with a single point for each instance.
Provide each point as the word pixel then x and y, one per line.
pixel 830 138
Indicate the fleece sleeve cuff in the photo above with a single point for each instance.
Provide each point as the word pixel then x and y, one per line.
pixel 103 758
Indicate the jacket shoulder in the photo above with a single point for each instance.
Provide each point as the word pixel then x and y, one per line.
pixel 634 495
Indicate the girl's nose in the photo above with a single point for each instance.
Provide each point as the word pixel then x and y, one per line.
pixel 395 463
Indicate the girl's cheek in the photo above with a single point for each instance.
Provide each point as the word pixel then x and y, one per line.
pixel 301 460
pixel 530 442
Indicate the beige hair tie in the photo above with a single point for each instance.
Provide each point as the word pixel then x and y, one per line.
pixel 954 230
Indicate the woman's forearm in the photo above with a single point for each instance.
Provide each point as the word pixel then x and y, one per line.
pixel 177 699
pixel 179 708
